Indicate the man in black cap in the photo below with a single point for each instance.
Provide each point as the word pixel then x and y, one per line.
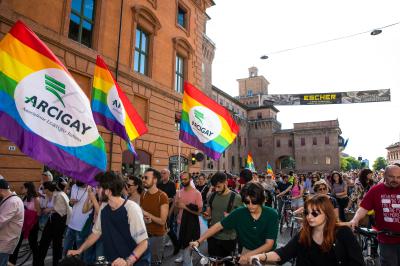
pixel 11 221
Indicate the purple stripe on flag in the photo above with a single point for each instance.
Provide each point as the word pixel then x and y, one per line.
pixel 46 152
pixel 110 124
pixel 194 141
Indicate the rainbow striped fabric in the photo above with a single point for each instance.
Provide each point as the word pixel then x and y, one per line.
pixel 250 163
pixel 112 108
pixel 44 111
pixel 270 171
pixel 205 124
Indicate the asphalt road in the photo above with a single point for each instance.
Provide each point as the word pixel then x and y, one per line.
pixel 169 259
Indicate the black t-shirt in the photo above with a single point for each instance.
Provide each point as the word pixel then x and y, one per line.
pixel 283 186
pixel 203 190
pixel 168 188
pixel 346 251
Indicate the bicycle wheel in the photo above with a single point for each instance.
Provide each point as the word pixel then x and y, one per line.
pixel 24 254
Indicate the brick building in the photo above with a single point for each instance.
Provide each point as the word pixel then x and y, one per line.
pixel 309 146
pixel 393 153
pixel 161 44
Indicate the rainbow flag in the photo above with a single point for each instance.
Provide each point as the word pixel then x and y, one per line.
pixel 112 108
pixel 250 163
pixel 205 124
pixel 270 171
pixel 44 111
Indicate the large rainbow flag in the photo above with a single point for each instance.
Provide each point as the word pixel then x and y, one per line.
pixel 112 108
pixel 205 124
pixel 250 163
pixel 44 111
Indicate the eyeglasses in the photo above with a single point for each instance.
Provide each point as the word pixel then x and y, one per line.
pixel 313 213
pixel 247 202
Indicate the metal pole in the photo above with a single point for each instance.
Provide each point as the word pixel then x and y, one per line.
pixel 116 76
pixel 179 167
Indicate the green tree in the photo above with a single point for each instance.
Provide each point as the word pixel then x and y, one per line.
pixel 344 165
pixel 350 163
pixel 380 163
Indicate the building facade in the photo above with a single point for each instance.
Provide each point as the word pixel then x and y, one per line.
pixel 393 153
pixel 154 44
pixel 309 146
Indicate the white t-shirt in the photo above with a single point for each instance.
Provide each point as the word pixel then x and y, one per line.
pixel 78 219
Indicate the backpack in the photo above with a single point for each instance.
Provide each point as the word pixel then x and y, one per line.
pixel 230 202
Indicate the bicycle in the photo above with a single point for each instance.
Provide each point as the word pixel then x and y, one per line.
pixel 295 224
pixel 285 212
pixel 212 261
pixel 368 242
pixel 24 254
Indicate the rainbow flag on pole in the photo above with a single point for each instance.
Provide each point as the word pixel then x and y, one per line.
pixel 112 108
pixel 250 163
pixel 205 124
pixel 44 111
pixel 270 171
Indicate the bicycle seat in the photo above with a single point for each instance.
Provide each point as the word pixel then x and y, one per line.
pixel 366 231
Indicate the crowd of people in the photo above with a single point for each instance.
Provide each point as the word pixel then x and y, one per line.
pixel 129 220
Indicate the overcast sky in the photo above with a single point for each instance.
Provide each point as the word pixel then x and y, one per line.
pixel 243 30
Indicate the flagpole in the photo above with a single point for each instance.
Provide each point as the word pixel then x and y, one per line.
pixel 116 79
pixel 179 167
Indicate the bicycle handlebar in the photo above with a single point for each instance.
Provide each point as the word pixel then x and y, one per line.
pixel 372 232
pixel 217 260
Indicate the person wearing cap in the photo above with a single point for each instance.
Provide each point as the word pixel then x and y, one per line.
pixel 11 221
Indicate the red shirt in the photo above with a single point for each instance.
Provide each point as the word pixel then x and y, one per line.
pixel 385 202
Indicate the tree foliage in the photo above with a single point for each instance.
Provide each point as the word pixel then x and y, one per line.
pixel 380 163
pixel 349 163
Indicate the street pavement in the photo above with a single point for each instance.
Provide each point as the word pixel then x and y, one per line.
pixel 169 259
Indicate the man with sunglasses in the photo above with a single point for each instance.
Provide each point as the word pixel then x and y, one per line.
pixel 256 225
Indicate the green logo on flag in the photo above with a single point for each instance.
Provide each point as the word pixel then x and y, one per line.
pixel 199 115
pixel 55 87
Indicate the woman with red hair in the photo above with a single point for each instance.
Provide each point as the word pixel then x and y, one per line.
pixel 321 240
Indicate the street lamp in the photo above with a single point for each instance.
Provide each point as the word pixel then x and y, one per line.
pixel 376 32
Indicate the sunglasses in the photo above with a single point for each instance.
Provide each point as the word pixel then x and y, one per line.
pixel 130 185
pixel 313 213
pixel 323 189
pixel 247 202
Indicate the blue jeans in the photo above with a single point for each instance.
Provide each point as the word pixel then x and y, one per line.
pixel 389 254
pixel 4 259
pixel 72 237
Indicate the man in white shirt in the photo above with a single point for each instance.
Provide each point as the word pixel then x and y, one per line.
pixel 11 221
pixel 79 194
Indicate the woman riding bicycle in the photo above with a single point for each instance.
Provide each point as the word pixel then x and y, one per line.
pixel 321 241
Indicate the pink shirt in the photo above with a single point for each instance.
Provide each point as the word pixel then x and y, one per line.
pixel 11 221
pixel 192 196
pixel 296 191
